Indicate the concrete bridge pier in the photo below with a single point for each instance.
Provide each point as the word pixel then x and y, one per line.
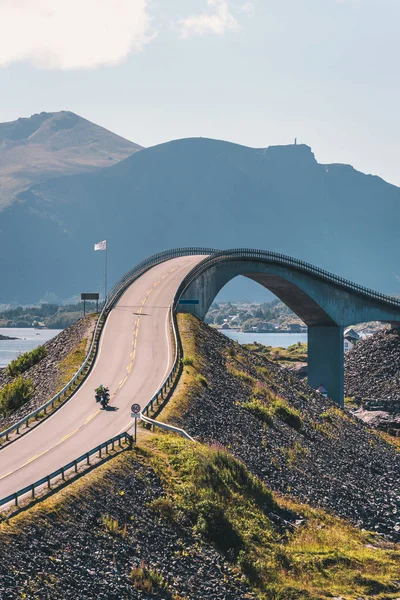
pixel 326 360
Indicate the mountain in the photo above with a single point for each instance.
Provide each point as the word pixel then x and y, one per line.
pixel 53 144
pixel 199 192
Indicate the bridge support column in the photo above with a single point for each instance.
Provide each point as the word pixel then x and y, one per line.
pixel 326 360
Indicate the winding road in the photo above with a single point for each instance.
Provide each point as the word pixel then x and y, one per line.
pixel 135 356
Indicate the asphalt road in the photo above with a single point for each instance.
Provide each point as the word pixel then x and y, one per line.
pixel 135 355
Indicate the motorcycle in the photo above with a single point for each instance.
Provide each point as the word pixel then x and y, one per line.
pixel 102 396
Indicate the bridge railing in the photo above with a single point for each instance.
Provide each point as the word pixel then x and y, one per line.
pixel 281 259
pixel 112 297
pixel 73 464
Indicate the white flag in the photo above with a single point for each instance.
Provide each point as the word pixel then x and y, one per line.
pixel 101 245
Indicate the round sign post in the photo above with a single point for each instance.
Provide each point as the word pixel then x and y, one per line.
pixel 135 414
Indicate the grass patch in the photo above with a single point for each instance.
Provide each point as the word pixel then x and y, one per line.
pixel 286 413
pixel 390 439
pixel 147 580
pixel 71 363
pixel 202 380
pixel 295 454
pixel 188 361
pixel 349 402
pixel 259 410
pixel 265 405
pixel 191 381
pixel 113 527
pixel 295 353
pixel 242 376
pixel 324 557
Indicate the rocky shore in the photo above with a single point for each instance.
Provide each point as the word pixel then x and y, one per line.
pixel 332 460
pixel 48 373
pixel 6 337
pixel 372 378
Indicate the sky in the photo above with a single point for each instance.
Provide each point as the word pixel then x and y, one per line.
pixel 255 72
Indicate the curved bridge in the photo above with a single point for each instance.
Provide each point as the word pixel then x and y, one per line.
pixel 325 302
pixel 136 353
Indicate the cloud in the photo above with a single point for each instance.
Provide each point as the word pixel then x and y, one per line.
pixel 218 20
pixel 247 8
pixel 72 34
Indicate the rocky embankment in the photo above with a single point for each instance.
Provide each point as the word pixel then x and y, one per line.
pixel 48 375
pixel 372 377
pixel 328 458
pixel 93 539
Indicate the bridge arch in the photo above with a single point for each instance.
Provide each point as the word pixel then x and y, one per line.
pixel 325 302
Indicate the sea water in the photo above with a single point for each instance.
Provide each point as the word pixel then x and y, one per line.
pixel 28 339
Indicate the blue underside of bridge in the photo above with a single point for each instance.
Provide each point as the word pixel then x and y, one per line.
pixel 327 304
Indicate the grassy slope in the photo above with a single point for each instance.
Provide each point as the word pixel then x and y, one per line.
pixel 285 550
pixel 325 557
pixel 320 556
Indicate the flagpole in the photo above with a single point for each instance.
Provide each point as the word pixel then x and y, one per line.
pixel 105 275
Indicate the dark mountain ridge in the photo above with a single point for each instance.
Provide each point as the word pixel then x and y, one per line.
pixel 199 192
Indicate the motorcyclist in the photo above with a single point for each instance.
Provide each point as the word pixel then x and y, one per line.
pixel 100 390
pixel 101 394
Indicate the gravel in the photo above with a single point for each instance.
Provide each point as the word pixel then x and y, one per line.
pixel 372 376
pixel 334 461
pixel 67 552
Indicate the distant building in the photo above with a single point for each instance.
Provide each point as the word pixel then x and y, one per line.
pixel 322 391
pixel 351 337
pixel 351 334
pixel 225 326
pixel 348 344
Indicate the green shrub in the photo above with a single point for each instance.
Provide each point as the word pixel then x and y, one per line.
pixel 26 361
pixel 163 507
pixel 202 380
pixel 15 394
pixel 291 416
pixel 259 410
pixel 188 361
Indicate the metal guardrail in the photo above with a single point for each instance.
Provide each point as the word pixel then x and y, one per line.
pixel 51 403
pixel 173 374
pixel 286 261
pixel 114 294
pixel 118 439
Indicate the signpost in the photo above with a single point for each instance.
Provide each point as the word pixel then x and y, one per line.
pixel 89 296
pixel 135 414
pixel 187 301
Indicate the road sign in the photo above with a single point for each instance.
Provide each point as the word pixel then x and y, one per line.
pixel 135 414
pixel 89 296
pixel 188 301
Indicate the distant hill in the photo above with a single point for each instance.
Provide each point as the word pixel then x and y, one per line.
pixel 199 192
pixel 52 144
